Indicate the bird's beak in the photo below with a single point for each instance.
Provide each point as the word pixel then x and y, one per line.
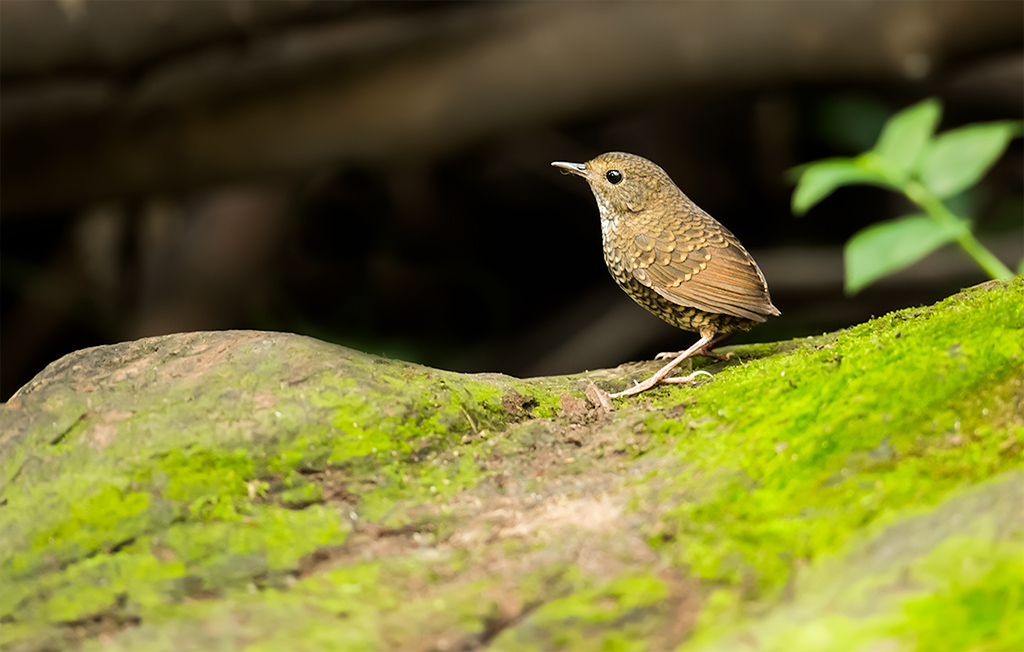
pixel 578 169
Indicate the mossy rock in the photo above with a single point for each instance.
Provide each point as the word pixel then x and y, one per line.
pixel 860 490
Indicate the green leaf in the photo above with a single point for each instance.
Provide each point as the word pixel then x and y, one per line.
pixel 958 158
pixel 905 135
pixel 818 180
pixel 886 247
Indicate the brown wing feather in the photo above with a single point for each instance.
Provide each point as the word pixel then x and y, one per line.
pixel 718 276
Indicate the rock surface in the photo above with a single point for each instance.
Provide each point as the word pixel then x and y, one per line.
pixel 860 490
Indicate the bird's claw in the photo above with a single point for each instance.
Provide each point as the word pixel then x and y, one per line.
pixel 686 379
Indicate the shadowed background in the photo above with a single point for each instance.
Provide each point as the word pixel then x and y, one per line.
pixel 377 174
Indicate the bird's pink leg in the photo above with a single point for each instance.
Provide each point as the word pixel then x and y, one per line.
pixel 705 350
pixel 660 376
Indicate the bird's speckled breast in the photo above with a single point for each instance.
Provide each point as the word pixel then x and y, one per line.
pixel 686 318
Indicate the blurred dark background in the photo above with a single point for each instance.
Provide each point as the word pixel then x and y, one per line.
pixel 377 174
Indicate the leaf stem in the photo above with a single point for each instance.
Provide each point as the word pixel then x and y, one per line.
pixel 938 212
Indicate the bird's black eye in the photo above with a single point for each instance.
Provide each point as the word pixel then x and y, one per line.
pixel 613 176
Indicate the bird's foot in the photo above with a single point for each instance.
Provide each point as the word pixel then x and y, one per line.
pixel 662 373
pixel 636 389
pixel 654 380
pixel 686 379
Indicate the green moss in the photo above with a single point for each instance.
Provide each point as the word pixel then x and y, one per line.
pixel 176 506
pixel 184 560
pixel 277 538
pixel 188 500
pixel 211 484
pixel 363 606
pixel 401 487
pixel 304 494
pixel 922 575
pixel 102 517
pixel 607 603
pixel 17 636
pixel 620 615
pixel 96 584
pixel 795 461
pixel 975 603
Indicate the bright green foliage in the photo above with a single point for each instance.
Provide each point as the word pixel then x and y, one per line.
pixel 886 247
pixel 905 136
pixel 958 158
pixel 818 180
pixel 927 169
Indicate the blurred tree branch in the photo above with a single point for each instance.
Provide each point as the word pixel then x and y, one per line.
pixel 163 96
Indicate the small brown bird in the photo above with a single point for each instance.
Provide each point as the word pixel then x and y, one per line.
pixel 671 257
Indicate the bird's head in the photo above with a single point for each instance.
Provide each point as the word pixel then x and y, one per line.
pixel 623 183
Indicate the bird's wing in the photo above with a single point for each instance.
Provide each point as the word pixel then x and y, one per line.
pixel 698 263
